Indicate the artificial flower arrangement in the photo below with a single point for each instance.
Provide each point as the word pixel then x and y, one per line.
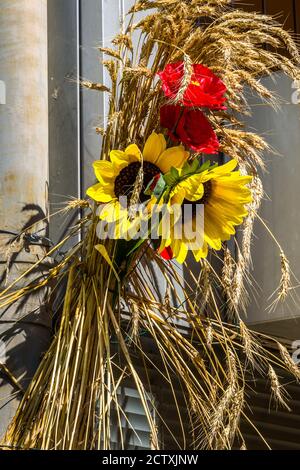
pixel 176 102
pixel 175 175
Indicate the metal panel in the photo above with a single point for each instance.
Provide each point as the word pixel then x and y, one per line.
pixel 287 12
pixel 280 208
pixel 297 15
pixel 284 11
pixel 134 424
pixel 100 21
pixel 279 427
pixel 76 29
pixel 249 5
pixel 92 102
pixel 64 108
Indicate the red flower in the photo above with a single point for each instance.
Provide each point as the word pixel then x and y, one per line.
pixel 205 88
pixel 190 127
pixel 167 253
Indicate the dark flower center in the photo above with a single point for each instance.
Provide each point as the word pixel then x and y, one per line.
pixel 124 183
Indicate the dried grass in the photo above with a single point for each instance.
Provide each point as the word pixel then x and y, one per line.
pixel 71 400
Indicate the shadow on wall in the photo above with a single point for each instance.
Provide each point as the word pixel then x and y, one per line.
pixel 25 325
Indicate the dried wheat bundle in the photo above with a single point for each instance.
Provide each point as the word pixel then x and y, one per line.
pixel 112 303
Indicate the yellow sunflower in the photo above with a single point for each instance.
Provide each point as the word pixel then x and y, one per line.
pixel 224 196
pixel 117 177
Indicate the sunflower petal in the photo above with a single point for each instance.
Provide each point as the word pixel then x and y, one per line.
pixel 154 147
pixel 202 253
pixel 104 171
pixel 100 193
pixel 117 157
pixel 224 169
pixel 172 157
pixel 112 211
pixel 194 189
pixel 225 208
pixel 212 233
pixel 133 151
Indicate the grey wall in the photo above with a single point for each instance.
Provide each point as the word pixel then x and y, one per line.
pixel 100 21
pixel 76 29
pixel 64 108
pixel 280 209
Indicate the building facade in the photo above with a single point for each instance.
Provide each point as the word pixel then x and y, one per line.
pixel 48 142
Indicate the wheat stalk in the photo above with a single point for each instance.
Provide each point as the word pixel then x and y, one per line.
pixel 74 394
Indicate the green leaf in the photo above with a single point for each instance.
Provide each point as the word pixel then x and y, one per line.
pixel 191 168
pixel 172 177
pixel 159 188
pixel 205 166
pixel 175 173
pixel 169 179
pixel 156 187
pixel 195 165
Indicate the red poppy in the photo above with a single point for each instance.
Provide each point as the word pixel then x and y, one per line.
pixel 167 253
pixel 190 127
pixel 205 88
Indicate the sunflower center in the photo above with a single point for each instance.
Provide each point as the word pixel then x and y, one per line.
pixel 124 183
pixel 204 200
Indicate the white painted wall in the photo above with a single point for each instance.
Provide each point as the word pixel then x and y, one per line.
pixel 23 180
